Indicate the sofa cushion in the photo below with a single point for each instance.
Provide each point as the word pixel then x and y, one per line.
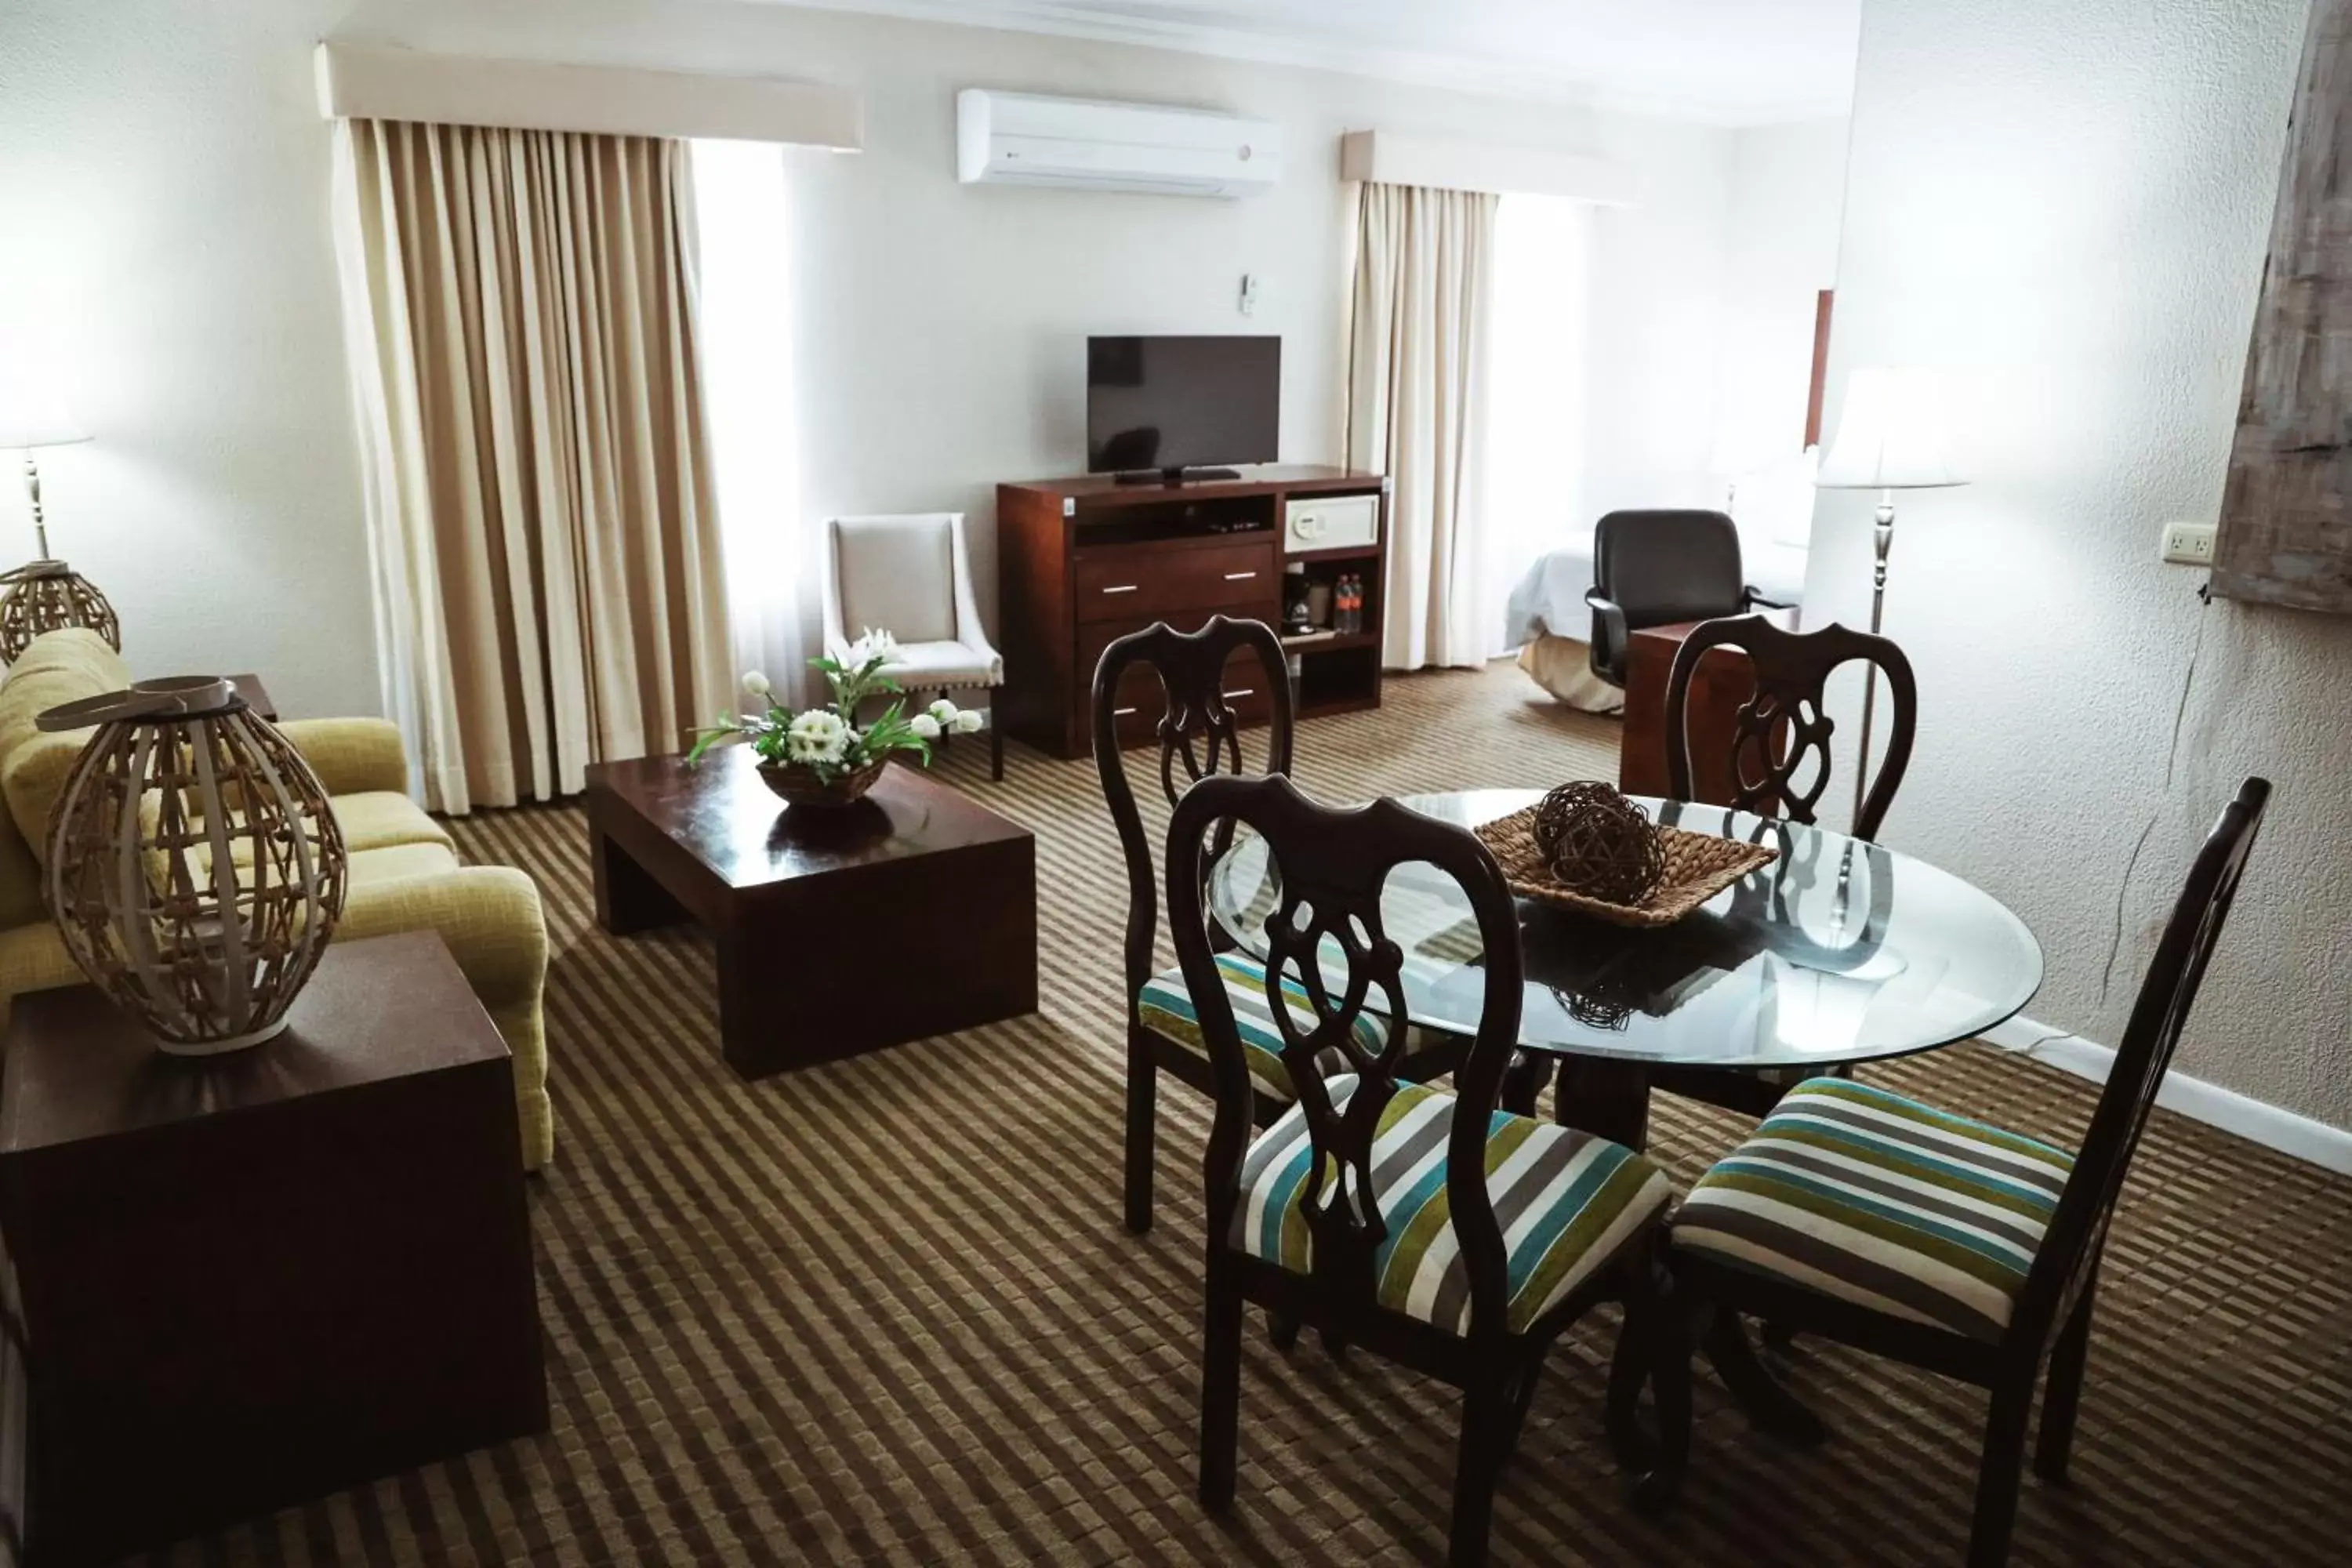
pixel 392 862
pixel 58 667
pixel 380 818
pixel 375 820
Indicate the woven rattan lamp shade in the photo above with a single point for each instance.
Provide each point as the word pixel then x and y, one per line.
pixel 195 869
pixel 47 596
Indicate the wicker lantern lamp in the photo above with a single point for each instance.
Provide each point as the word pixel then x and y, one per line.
pixel 195 869
pixel 44 593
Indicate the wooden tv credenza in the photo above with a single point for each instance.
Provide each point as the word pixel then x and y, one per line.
pixel 1083 561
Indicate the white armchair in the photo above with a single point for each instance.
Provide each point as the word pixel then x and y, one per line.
pixel 911 576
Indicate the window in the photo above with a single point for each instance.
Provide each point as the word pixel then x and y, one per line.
pixel 1534 428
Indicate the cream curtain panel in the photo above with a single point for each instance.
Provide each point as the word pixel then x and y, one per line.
pixel 1416 396
pixel 521 313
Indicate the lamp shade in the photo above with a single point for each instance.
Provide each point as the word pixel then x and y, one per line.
pixel 1890 435
pixel 32 412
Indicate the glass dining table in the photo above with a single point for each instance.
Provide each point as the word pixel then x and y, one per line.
pixel 1836 952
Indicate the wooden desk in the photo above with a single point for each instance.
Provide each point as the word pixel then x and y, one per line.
pixel 238 1282
pixel 1720 687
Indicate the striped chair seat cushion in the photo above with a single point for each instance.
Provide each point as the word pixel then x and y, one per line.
pixel 1879 1200
pixel 1165 1007
pixel 1565 1200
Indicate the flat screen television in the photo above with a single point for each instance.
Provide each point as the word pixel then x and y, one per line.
pixel 1157 406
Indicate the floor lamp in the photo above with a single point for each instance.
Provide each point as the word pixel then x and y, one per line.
pixel 44 593
pixel 1890 437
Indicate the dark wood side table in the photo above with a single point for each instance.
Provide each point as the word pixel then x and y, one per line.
pixel 913 912
pixel 1723 683
pixel 256 695
pixel 239 1283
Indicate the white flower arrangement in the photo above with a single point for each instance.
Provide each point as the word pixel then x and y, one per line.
pixel 827 741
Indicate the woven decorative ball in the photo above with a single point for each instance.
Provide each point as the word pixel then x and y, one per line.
pixel 46 596
pixel 1598 843
pixel 195 869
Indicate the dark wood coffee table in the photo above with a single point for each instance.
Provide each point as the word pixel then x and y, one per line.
pixel 242 1282
pixel 913 912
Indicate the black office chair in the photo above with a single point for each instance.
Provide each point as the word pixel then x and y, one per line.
pixel 1659 568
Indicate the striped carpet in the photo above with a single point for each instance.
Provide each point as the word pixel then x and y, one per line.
pixel 884 1312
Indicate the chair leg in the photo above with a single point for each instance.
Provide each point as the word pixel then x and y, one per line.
pixel 1997 1479
pixel 1522 1392
pixel 1221 1391
pixel 995 744
pixel 2064 1392
pixel 1143 1101
pixel 1769 1406
pixel 1653 1347
pixel 1486 1413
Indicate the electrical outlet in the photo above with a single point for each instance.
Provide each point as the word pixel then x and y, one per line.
pixel 2189 543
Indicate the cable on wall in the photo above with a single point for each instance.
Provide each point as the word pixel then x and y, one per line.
pixel 2172 760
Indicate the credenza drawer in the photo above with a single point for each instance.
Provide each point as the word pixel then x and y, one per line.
pixel 1141 701
pixel 1142 586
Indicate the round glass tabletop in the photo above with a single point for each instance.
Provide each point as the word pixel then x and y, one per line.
pixel 1839 950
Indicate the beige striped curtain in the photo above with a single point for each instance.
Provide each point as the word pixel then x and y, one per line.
pixel 1416 396
pixel 521 313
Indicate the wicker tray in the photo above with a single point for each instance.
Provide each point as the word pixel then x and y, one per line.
pixel 1698 866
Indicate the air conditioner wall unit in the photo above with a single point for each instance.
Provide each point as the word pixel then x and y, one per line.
pixel 1021 139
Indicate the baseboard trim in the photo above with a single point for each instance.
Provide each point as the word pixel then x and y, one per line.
pixel 2285 1130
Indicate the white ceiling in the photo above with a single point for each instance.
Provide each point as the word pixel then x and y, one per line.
pixel 1729 62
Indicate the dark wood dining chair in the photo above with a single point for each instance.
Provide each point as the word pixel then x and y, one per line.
pixel 1783 729
pixel 1864 1216
pixel 1779 765
pixel 1334 1217
pixel 1198 735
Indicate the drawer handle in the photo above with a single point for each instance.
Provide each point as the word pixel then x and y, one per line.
pixel 1244 691
pixel 1122 588
pixel 1239 576
pixel 1121 712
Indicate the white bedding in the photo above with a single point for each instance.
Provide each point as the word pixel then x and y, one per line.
pixel 1548 601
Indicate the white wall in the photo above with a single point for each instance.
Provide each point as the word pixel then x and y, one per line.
pixel 164 176
pixel 1788 188
pixel 1658 278
pixel 181 178
pixel 2066 207
pixel 1702 321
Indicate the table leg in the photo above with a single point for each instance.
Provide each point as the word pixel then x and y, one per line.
pixel 1524 1080
pixel 1770 1406
pixel 627 898
pixel 1602 1095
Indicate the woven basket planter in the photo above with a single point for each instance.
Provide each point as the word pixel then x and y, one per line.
pixel 195 869
pixel 1695 868
pixel 796 785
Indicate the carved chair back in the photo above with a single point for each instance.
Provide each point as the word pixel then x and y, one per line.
pixel 2070 1248
pixel 1783 729
pixel 1197 736
pixel 1326 938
